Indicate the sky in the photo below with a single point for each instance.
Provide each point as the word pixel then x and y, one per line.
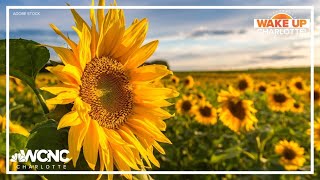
pixel 197 40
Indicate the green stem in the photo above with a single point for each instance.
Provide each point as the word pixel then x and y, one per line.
pixel 31 84
pixel 41 100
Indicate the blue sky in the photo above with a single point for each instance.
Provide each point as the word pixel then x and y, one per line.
pixel 189 39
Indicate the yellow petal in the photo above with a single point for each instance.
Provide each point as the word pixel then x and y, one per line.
pixel 84 46
pixel 60 88
pixel 141 55
pixel 149 73
pixel 69 119
pixel 100 14
pixel 130 37
pixel 66 55
pixel 72 44
pixel 152 94
pixel 127 134
pixel 75 139
pixel 64 75
pixel 63 98
pixel 91 144
pixel 78 19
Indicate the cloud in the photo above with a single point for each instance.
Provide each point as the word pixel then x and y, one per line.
pixel 278 57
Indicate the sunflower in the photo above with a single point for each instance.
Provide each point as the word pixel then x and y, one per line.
pixel 280 100
pixel 273 85
pixel 200 96
pixel 185 105
pixel 175 80
pixel 236 113
pixel 261 87
pixel 117 110
pixel 188 82
pixel 316 94
pixel 317 134
pixel 297 85
pixel 292 155
pixel 244 83
pixel 205 113
pixel 297 107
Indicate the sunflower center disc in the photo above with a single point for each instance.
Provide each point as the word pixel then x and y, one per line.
pixel 296 105
pixel 186 106
pixel 106 88
pixel 205 111
pixel 242 85
pixel 316 95
pixel 299 85
pixel 187 82
pixel 280 98
pixel 237 110
pixel 262 88
pixel 289 154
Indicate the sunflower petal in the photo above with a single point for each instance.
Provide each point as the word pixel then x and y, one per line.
pixel 72 44
pixel 91 144
pixel 69 119
pixel 141 55
pixel 149 73
pixel 75 139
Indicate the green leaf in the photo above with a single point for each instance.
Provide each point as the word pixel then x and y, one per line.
pixel 229 154
pixel 26 57
pixel 17 142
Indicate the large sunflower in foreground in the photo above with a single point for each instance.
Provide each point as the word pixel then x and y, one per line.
pixel 297 85
pixel 280 100
pixel 205 113
pixel 117 110
pixel 236 113
pixel 244 83
pixel 292 155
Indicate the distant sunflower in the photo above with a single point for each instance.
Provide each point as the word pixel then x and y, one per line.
pixel 316 94
pixel 273 85
pixel 117 108
pixel 297 107
pixel 185 105
pixel 280 100
pixel 297 86
pixel 261 87
pixel 317 134
pixel 175 80
pixel 188 82
pixel 236 113
pixel 292 155
pixel 200 96
pixel 205 113
pixel 244 83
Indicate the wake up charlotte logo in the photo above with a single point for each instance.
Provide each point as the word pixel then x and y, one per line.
pixel 282 24
pixel 44 159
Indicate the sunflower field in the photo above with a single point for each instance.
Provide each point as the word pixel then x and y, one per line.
pixel 109 110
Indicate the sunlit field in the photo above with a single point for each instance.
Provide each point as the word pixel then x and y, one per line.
pixel 255 120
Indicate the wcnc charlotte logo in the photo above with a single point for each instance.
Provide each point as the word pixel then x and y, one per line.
pixel 282 24
pixel 41 156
